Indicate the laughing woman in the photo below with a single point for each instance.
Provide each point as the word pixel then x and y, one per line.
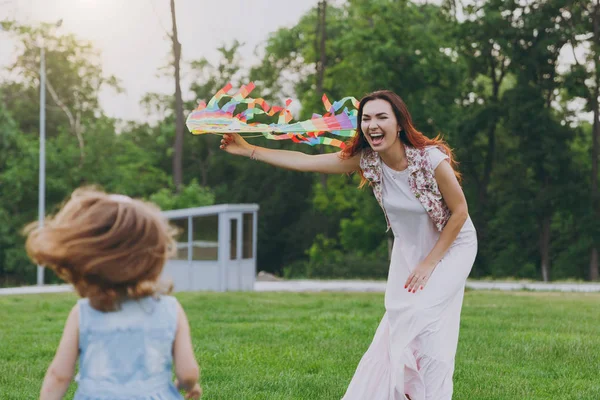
pixel 435 244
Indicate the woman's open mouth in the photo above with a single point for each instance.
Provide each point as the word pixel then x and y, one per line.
pixel 376 138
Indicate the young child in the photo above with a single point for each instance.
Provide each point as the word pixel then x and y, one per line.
pixel 126 332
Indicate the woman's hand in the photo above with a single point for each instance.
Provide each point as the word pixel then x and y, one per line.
pixel 233 143
pixel 419 277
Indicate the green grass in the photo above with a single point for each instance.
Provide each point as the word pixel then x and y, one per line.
pixel 518 345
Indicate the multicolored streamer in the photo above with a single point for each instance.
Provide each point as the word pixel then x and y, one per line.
pixel 210 118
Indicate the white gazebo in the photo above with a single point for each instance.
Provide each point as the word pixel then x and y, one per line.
pixel 216 248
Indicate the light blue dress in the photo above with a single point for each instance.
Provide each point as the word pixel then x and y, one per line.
pixel 127 354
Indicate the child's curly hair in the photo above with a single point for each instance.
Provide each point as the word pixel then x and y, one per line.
pixel 110 247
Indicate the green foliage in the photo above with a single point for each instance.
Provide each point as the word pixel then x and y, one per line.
pixel 191 195
pixel 74 78
pixel 489 81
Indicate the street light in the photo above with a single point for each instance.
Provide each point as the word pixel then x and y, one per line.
pixel 42 177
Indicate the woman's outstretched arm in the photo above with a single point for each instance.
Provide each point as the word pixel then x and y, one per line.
pixel 330 163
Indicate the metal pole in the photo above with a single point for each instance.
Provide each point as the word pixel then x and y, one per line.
pixel 42 178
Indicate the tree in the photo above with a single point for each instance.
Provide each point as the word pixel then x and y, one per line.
pixel 321 63
pixel 594 11
pixel 179 123
pixel 484 39
pixel 74 79
pixel 115 162
pixel 543 141
pixel 362 55
pixel 583 82
pixel 201 158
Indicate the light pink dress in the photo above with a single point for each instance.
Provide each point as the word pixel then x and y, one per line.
pixel 414 347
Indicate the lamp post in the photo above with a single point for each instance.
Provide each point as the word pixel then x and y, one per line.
pixel 42 175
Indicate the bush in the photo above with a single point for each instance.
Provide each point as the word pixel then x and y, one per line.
pixel 343 266
pixel 192 195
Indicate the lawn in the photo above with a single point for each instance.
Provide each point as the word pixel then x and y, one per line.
pixel 518 345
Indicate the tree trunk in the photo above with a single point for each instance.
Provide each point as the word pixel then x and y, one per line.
pixel 485 180
pixel 204 173
pixel 545 248
pixel 489 164
pixel 491 136
pixel 595 197
pixel 594 264
pixel 594 273
pixel 74 120
pixel 321 63
pixel 320 45
pixel 178 145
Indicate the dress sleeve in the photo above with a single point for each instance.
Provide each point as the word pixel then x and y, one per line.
pixel 436 156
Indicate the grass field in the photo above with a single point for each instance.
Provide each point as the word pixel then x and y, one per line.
pixel 518 345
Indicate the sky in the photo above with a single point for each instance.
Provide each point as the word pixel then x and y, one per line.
pixel 132 36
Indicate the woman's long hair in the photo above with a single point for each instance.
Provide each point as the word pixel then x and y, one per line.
pixel 408 134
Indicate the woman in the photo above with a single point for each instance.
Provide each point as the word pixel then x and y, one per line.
pixel 435 244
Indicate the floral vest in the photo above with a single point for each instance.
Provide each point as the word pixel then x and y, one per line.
pixel 421 181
